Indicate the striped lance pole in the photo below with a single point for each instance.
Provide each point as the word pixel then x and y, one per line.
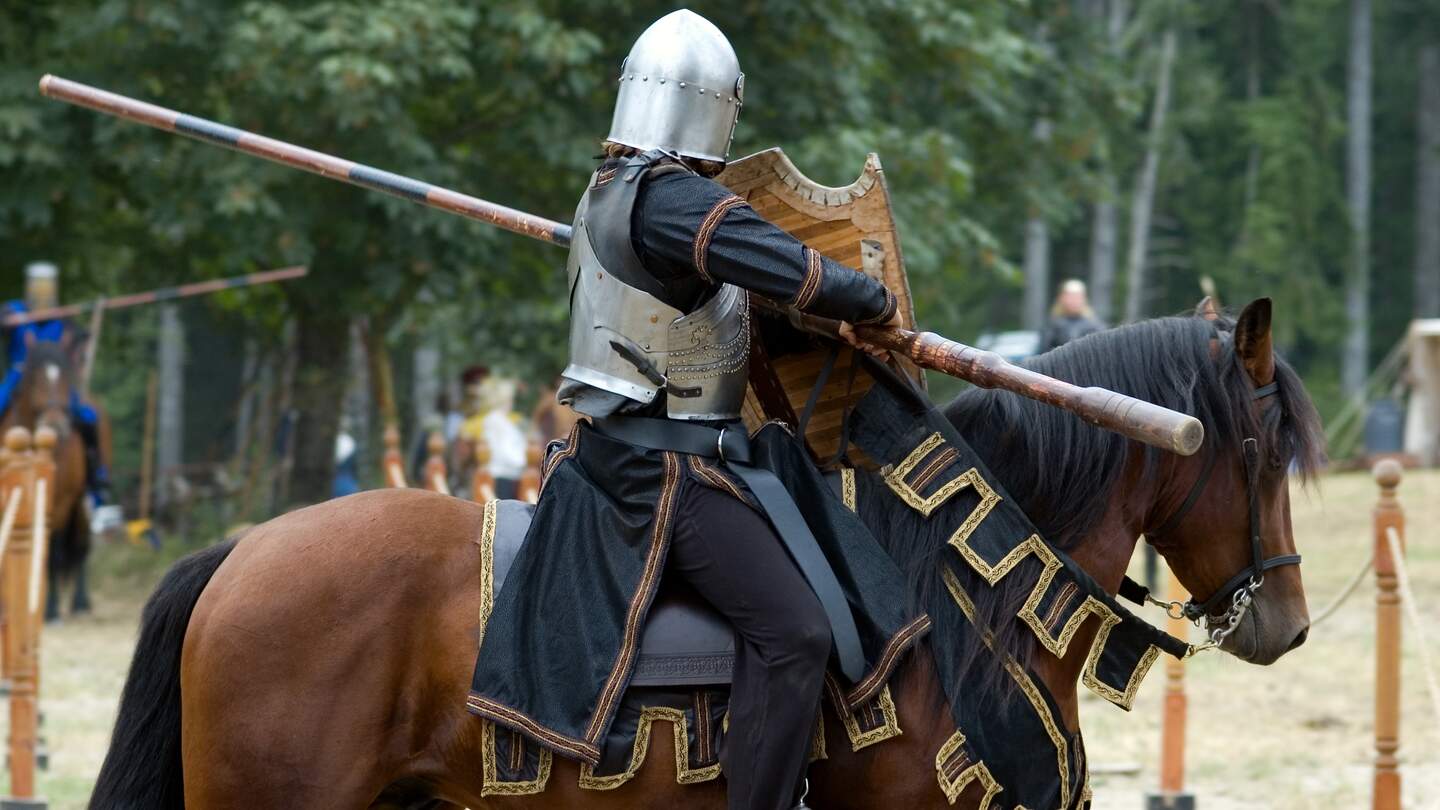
pixel 162 294
pixel 298 157
pixel 1141 421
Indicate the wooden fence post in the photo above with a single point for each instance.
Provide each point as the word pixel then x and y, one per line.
pixel 394 464
pixel 435 464
pixel 529 489
pixel 1385 794
pixel 482 487
pixel 1172 795
pixel 23 488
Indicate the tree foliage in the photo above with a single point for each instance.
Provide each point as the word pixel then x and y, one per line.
pixel 508 100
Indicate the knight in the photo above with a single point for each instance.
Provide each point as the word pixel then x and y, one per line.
pixel 663 480
pixel 42 291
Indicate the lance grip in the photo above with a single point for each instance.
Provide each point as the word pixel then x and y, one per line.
pixel 1136 419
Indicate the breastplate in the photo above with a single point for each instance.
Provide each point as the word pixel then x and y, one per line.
pixel 627 341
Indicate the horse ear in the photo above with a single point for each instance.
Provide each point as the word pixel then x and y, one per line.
pixel 1206 309
pixel 1252 341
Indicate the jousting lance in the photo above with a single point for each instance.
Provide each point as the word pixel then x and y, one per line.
pixel 1137 419
pixel 153 296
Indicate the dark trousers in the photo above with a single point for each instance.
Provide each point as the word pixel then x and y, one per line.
pixel 732 557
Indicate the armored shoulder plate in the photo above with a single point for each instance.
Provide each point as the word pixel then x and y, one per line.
pixel 624 339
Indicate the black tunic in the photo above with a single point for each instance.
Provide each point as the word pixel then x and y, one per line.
pixel 561 642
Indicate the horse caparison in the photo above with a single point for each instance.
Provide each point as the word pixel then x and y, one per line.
pixel 327 657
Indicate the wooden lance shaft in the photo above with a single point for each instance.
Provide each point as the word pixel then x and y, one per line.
pixel 1138 420
pixel 308 160
pixel 152 296
pixel 1385 793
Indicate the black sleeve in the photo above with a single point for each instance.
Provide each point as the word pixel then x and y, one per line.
pixel 690 224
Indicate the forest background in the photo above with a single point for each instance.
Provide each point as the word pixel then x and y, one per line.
pixel 1288 148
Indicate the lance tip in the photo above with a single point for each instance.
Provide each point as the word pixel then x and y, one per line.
pixel 45 84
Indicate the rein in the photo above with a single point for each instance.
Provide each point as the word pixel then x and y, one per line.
pixel 1241 588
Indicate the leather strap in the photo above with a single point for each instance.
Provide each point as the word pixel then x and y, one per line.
pixel 731 446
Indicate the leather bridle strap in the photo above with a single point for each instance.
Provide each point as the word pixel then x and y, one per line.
pixel 1255 573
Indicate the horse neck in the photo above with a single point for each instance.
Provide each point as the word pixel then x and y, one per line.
pixel 1104 553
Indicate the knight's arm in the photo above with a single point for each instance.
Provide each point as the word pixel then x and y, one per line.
pixel 690 222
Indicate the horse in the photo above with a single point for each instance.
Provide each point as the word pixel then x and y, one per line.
pixel 323 658
pixel 43 397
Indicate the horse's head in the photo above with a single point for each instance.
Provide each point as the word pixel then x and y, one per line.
pixel 1221 518
pixel 43 397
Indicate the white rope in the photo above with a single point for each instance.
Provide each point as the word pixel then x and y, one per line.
pixel 1345 592
pixel 1412 611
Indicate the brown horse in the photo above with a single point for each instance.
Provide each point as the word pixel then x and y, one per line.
pixel 323 659
pixel 43 398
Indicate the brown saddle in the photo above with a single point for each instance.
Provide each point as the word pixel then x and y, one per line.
pixel 686 642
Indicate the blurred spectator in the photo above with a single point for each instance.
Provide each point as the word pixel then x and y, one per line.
pixel 347 480
pixel 1070 318
pixel 496 423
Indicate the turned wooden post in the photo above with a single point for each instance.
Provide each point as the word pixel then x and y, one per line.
pixel 529 489
pixel 1172 795
pixel 1385 794
pixel 435 464
pixel 482 487
pixel 394 464
pixel 19 483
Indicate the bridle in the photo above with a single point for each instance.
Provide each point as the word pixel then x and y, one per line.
pixel 1241 588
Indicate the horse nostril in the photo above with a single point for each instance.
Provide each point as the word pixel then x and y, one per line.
pixel 1299 639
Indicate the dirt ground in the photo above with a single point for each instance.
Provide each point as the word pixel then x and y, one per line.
pixel 1294 736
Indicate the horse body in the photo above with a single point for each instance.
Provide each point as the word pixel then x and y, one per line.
pixel 329 651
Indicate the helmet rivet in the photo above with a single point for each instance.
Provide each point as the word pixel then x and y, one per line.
pixel 701 89
pixel 717 95
pixel 645 79
pixel 682 85
pixel 662 81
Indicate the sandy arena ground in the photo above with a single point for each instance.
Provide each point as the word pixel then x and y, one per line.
pixel 1295 736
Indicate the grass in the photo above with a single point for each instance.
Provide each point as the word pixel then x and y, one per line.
pixel 1294 736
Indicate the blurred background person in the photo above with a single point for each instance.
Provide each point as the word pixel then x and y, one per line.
pixel 1071 317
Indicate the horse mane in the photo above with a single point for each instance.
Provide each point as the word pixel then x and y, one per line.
pixel 1062 471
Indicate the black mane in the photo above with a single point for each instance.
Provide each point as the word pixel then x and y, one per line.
pixel 1062 471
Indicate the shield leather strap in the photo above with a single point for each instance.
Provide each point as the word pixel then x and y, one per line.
pixel 730 446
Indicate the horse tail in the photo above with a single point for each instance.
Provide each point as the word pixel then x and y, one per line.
pixel 142 768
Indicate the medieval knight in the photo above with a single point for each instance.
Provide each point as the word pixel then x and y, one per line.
pixel 663 477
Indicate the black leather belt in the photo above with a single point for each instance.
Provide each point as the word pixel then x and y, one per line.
pixel 731 446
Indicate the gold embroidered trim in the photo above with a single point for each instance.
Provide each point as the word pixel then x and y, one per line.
pixel 895 478
pixel 866 688
pixel 684 774
pixel 706 232
pixel 492 786
pixel 888 727
pixel 955 772
pixel 847 489
pixel 891 304
pixel 487 567
pixel 1091 678
pixel 817 741
pixel 659 536
pixel 567 450
pixel 714 478
pixel 1059 644
pixel 488 708
pixel 941 460
pixel 1022 680
pixel 810 282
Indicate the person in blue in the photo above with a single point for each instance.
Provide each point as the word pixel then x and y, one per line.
pixel 42 286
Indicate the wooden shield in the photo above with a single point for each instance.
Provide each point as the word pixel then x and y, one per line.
pixel 852 225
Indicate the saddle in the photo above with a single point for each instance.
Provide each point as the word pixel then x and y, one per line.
pixel 686 642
